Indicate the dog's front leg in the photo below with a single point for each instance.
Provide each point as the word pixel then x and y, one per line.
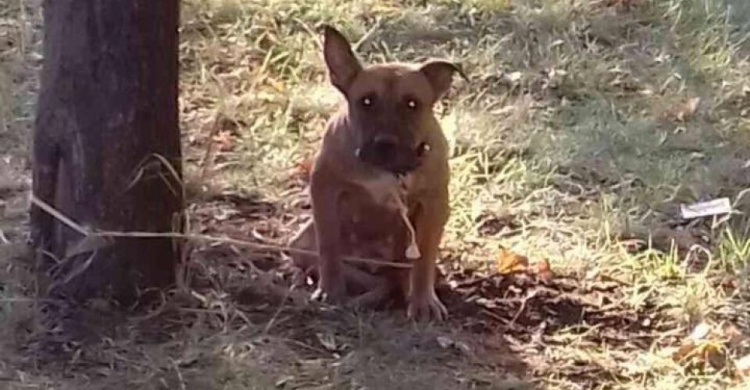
pixel 325 195
pixel 429 223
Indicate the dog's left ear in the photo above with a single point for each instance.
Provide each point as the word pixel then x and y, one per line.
pixel 343 65
pixel 440 74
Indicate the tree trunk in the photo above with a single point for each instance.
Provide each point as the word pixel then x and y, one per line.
pixel 107 145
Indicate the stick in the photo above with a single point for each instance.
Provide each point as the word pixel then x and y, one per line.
pixel 368 35
pixel 202 237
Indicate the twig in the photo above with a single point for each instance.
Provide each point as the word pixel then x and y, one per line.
pixel 208 158
pixel 368 35
pixel 60 216
pixel 523 306
pixel 495 316
pixel 201 237
pixel 314 34
pixel 276 314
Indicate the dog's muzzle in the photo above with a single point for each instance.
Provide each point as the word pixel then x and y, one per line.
pixel 387 154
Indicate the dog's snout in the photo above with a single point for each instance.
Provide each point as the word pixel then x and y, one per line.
pixel 385 146
pixel 390 153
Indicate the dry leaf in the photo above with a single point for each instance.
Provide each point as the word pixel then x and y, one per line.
pixel 543 270
pixel 514 77
pixel 715 354
pixel 685 110
pixel 444 342
pixel 712 353
pixel 633 245
pixel 284 380
pixel 327 341
pixel 224 140
pixel 683 351
pixel 463 347
pixel 691 344
pixel 733 336
pixel 509 262
pixel 591 274
pixel 704 346
pixel 730 284
pixel 700 332
pixel 303 169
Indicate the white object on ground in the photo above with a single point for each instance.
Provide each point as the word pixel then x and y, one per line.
pixel 705 209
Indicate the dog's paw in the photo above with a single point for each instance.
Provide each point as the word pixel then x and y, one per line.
pixel 427 306
pixel 331 289
pixel 321 296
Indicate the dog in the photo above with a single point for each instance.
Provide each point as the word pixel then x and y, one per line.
pixel 384 140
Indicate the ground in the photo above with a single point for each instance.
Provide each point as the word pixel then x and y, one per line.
pixel 583 127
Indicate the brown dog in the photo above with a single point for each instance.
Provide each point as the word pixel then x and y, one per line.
pixel 384 137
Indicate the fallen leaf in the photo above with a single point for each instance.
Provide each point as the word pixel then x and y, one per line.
pixel 543 271
pixel 705 346
pixel 327 341
pixel 486 303
pixel 685 110
pixel 509 262
pixel 715 355
pixel 711 352
pixel 633 245
pixel 733 336
pixel 700 332
pixel 303 169
pixel 692 342
pixel 283 381
pixel 514 76
pixel 463 347
pixel 444 342
pixel 730 284
pixel 591 274
pixel 682 352
pixel 224 140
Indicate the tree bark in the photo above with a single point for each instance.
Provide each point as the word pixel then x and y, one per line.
pixel 106 131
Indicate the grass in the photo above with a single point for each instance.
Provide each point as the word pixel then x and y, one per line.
pixel 575 141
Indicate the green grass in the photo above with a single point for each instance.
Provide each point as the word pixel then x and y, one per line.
pixel 573 127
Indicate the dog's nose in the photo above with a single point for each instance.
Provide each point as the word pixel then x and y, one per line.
pixel 385 146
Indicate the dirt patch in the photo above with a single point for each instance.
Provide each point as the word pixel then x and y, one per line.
pixel 537 315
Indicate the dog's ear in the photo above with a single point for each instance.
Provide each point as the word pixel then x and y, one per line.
pixel 440 74
pixel 342 64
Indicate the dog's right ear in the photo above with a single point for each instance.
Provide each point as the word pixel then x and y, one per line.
pixel 440 75
pixel 343 65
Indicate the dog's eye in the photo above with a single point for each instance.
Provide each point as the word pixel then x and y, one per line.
pixel 423 148
pixel 367 101
pixel 411 103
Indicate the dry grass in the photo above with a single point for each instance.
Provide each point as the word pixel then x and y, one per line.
pixel 575 141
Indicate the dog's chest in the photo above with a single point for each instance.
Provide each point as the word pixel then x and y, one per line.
pixel 370 208
pixel 382 188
